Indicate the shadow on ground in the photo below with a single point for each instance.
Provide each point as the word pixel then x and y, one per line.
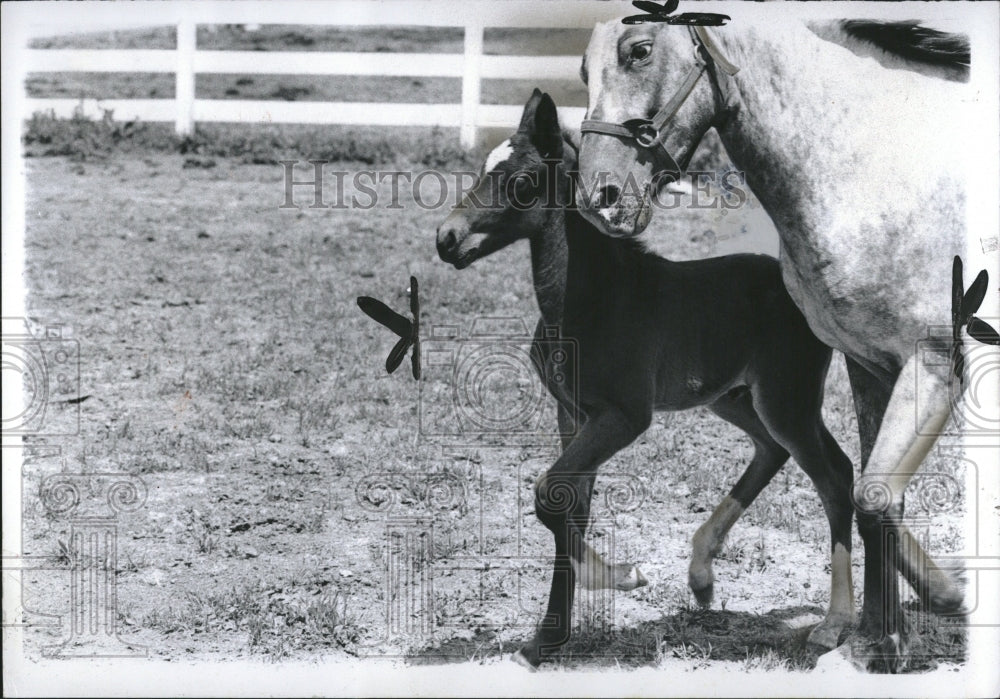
pixel 775 640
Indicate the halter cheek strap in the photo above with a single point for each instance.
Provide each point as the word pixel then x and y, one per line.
pixel 649 133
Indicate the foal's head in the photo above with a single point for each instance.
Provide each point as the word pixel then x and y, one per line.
pixel 523 180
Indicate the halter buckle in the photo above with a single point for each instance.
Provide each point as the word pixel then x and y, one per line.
pixel 644 132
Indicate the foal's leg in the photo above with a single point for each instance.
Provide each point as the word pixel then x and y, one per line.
pixel 736 407
pixel 595 573
pixel 789 404
pixel 568 425
pixel 562 503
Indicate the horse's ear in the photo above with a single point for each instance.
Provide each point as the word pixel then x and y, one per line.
pixel 545 133
pixel 528 115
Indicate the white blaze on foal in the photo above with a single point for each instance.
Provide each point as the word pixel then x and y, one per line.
pixel 499 155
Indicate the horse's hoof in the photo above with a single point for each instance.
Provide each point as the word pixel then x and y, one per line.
pixel 825 635
pixel 947 591
pixel 522 659
pixel 886 655
pixel 839 661
pixel 948 601
pixel 948 604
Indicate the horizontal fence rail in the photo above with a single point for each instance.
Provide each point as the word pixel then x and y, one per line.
pixel 185 110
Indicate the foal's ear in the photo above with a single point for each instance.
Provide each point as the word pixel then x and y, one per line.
pixel 528 115
pixel 545 133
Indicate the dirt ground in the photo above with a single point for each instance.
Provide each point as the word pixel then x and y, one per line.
pixel 297 505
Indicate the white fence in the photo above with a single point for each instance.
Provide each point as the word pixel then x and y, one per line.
pixel 472 66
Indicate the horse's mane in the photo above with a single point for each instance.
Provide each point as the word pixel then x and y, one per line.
pixel 944 54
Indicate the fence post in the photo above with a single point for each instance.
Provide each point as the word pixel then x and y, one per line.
pixel 471 81
pixel 187 37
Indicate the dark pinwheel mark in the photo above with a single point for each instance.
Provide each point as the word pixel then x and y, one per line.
pixel 963 305
pixel 662 13
pixel 408 331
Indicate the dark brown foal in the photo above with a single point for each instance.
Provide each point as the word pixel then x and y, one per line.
pixel 652 335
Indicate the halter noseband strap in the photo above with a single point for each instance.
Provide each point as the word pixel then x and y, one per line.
pixel 648 133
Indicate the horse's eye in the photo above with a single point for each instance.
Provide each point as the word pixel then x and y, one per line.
pixel 640 52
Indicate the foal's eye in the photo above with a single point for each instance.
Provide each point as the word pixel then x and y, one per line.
pixel 522 182
pixel 640 52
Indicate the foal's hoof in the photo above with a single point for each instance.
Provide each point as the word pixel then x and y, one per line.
pixel 522 658
pixel 702 585
pixel 628 577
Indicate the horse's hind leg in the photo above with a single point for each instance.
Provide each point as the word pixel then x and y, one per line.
pixel 789 403
pixel 901 446
pixel 736 407
pixel 937 589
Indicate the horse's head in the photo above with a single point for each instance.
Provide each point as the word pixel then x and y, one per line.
pixel 654 91
pixel 514 192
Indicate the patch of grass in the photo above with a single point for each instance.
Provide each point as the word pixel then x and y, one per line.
pixel 83 139
pixel 274 621
pixel 202 528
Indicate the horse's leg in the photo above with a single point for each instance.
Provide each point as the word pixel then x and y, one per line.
pixel 736 408
pixel 921 398
pixel 793 417
pixel 938 591
pixel 562 503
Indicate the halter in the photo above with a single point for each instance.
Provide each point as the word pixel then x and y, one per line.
pixel 648 133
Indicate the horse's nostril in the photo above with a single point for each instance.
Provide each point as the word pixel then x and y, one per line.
pixel 607 196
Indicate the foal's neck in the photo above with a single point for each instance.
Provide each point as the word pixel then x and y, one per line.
pixel 549 260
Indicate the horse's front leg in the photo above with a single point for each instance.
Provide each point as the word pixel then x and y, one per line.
pixel 562 503
pixel 919 407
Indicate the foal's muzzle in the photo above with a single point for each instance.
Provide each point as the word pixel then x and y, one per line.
pixel 449 237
